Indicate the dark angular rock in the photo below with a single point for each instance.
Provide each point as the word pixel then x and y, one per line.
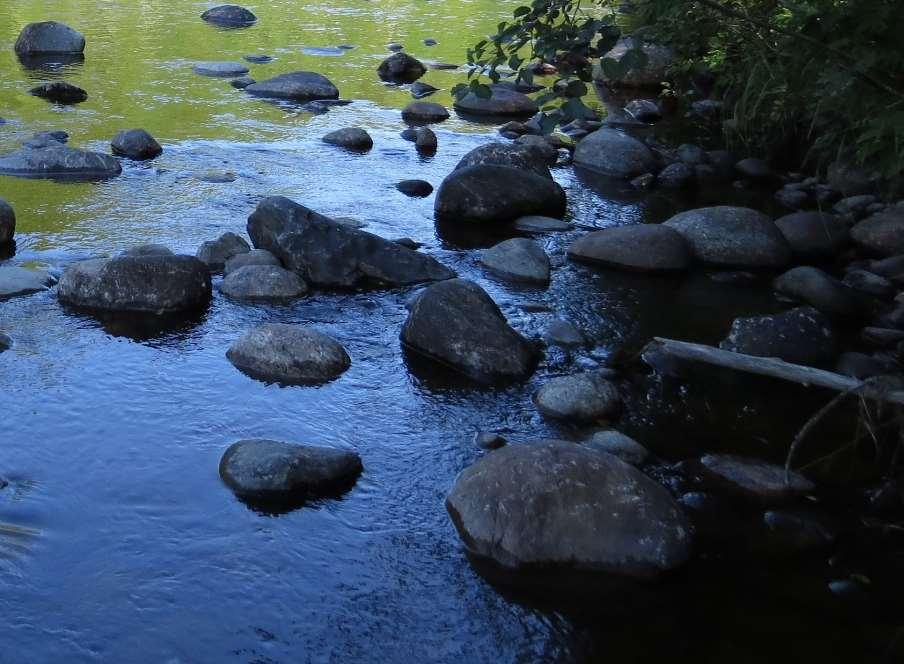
pixel 350 138
pixel 520 156
pixel 229 16
pixel 242 82
pixel 7 222
pixel 420 90
pixel 424 112
pixel 810 285
pixel 401 68
pixel 298 86
pixel 801 336
pixel 215 253
pixel 675 176
pixel 253 257
pixel 17 281
pixel 135 144
pixel 60 92
pixel 518 259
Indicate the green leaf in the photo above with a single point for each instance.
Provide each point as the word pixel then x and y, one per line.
pixel 575 89
pixel 521 11
pixel 613 69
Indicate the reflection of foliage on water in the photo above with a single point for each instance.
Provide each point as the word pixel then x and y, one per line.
pixel 16 540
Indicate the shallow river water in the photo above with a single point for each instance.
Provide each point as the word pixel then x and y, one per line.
pixel 120 542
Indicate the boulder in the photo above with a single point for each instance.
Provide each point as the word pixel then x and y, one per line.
pixel 425 140
pixel 157 284
pixel 518 259
pixel 759 481
pixel 538 224
pixel 869 283
pixel 135 144
pixel 351 138
pixel 638 247
pixel 850 180
pixel 253 257
pixel 49 37
pixel 297 86
pixel 584 397
pixel 242 82
pixel 263 282
pixel 59 92
pixel 502 101
pixel 7 222
pixel 792 198
pixel 675 176
pixel 659 59
pixel 58 161
pixel 457 324
pixel 541 146
pixel 814 235
pixel 401 68
pixel 288 354
pixel 520 156
pixel 755 169
pixel 618 444
pixel 485 440
pixel 215 253
pixel 326 253
pixel 415 188
pixel 810 285
pixel 614 154
pixel 725 236
pixel 564 334
pixel 149 249
pixel 229 16
pixel 882 233
pixel 16 281
pixel 272 470
pixel 424 112
pixel 855 207
pixel 801 336
pixel 489 193
pixel 554 503
pixel 643 110
pixel 691 155
pixel 420 90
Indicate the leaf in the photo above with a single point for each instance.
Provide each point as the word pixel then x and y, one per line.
pixel 521 11
pixel 634 58
pixel 574 109
pixel 481 90
pixel 575 89
pixel 460 91
pixel 612 69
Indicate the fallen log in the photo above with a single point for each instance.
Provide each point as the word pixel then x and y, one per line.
pixel 767 366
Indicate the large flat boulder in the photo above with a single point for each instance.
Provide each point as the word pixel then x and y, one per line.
pixel 157 284
pixel 458 325
pixel 636 248
pixel 555 503
pixel 57 161
pixel 15 281
pixel 882 233
pixel 614 154
pixel 502 101
pixel 49 37
pixel 288 354
pixel 296 86
pixel 325 253
pixel 726 236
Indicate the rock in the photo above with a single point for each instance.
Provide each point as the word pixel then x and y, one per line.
pixel 753 479
pixel 7 222
pixel 394 46
pixel 555 503
pixel 49 37
pixel 675 176
pixel 618 444
pixel 408 243
pixel 814 235
pixel 862 366
pixel 542 147
pixel 297 86
pixel 415 188
pixel 43 139
pixel 754 169
pixel 149 249
pixel 351 138
pixel 430 42
pixel 60 92
pixel 268 469
pixel 215 253
pixel 503 101
pixel 58 161
pixel 881 337
pixel 424 112
pixel 637 247
pixel 659 59
pixel 870 284
pixel 538 224
pixel 401 68
pixel 854 206
pixel 643 110
pixel 708 109
pixel 722 162
pixel 890 268
pixel 326 253
pixel 157 284
pixel 691 155
pixel 614 154
pixel 220 69
pixel 6 342
pixel 850 180
pixel 135 144
pixel 489 193
pixel 457 324
pixel 521 156
pixel 644 182
pixel 218 177
pixel 881 234
pixel 563 333
pixel 263 282
pixel 801 336
pixel 229 16
pixel 793 199
pixel 489 441
pixel 518 259
pixel 289 354
pixel 253 257
pixel 585 397
pixel 812 286
pixel 242 82
pixel 420 90
pixel 258 59
pixel 725 236
pixel 16 281
pixel 797 531
pixel 425 140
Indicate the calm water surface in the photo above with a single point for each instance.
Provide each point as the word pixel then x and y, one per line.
pixel 124 545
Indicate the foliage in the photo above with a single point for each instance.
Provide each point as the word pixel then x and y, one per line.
pixel 823 75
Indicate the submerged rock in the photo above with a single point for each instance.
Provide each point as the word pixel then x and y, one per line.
pixel 229 16
pixel 585 397
pixel 151 283
pixel 420 90
pixel 564 334
pixel 7 222
pixel 757 480
pixel 135 144
pixel 614 154
pixel 220 69
pixel 57 161
pixel 814 235
pixel 457 324
pixel 518 259
pixel 49 37
pixel 149 249
pixel 503 101
pixel 560 504
pixel 639 247
pixel 351 138
pixel 215 253
pixel 16 281
pixel 270 469
pixel 326 253
pixel 726 236
pixel 242 82
pixel 59 92
pixel 537 224
pixel 297 86
pixel 263 282
pixel 801 335
pixel 401 68
pixel 489 193
pixel 289 354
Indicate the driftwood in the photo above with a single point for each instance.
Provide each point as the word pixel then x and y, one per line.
pixel 768 366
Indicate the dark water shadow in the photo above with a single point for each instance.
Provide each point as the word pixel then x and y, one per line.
pixel 7 250
pixel 51 65
pixel 457 234
pixel 143 327
pixel 275 505
pixel 435 376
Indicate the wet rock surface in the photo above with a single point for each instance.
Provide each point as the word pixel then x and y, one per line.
pixel 641 248
pixel 288 354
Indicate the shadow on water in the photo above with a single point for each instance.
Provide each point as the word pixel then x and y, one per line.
pixel 143 327
pixel 280 505
pixel 51 65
